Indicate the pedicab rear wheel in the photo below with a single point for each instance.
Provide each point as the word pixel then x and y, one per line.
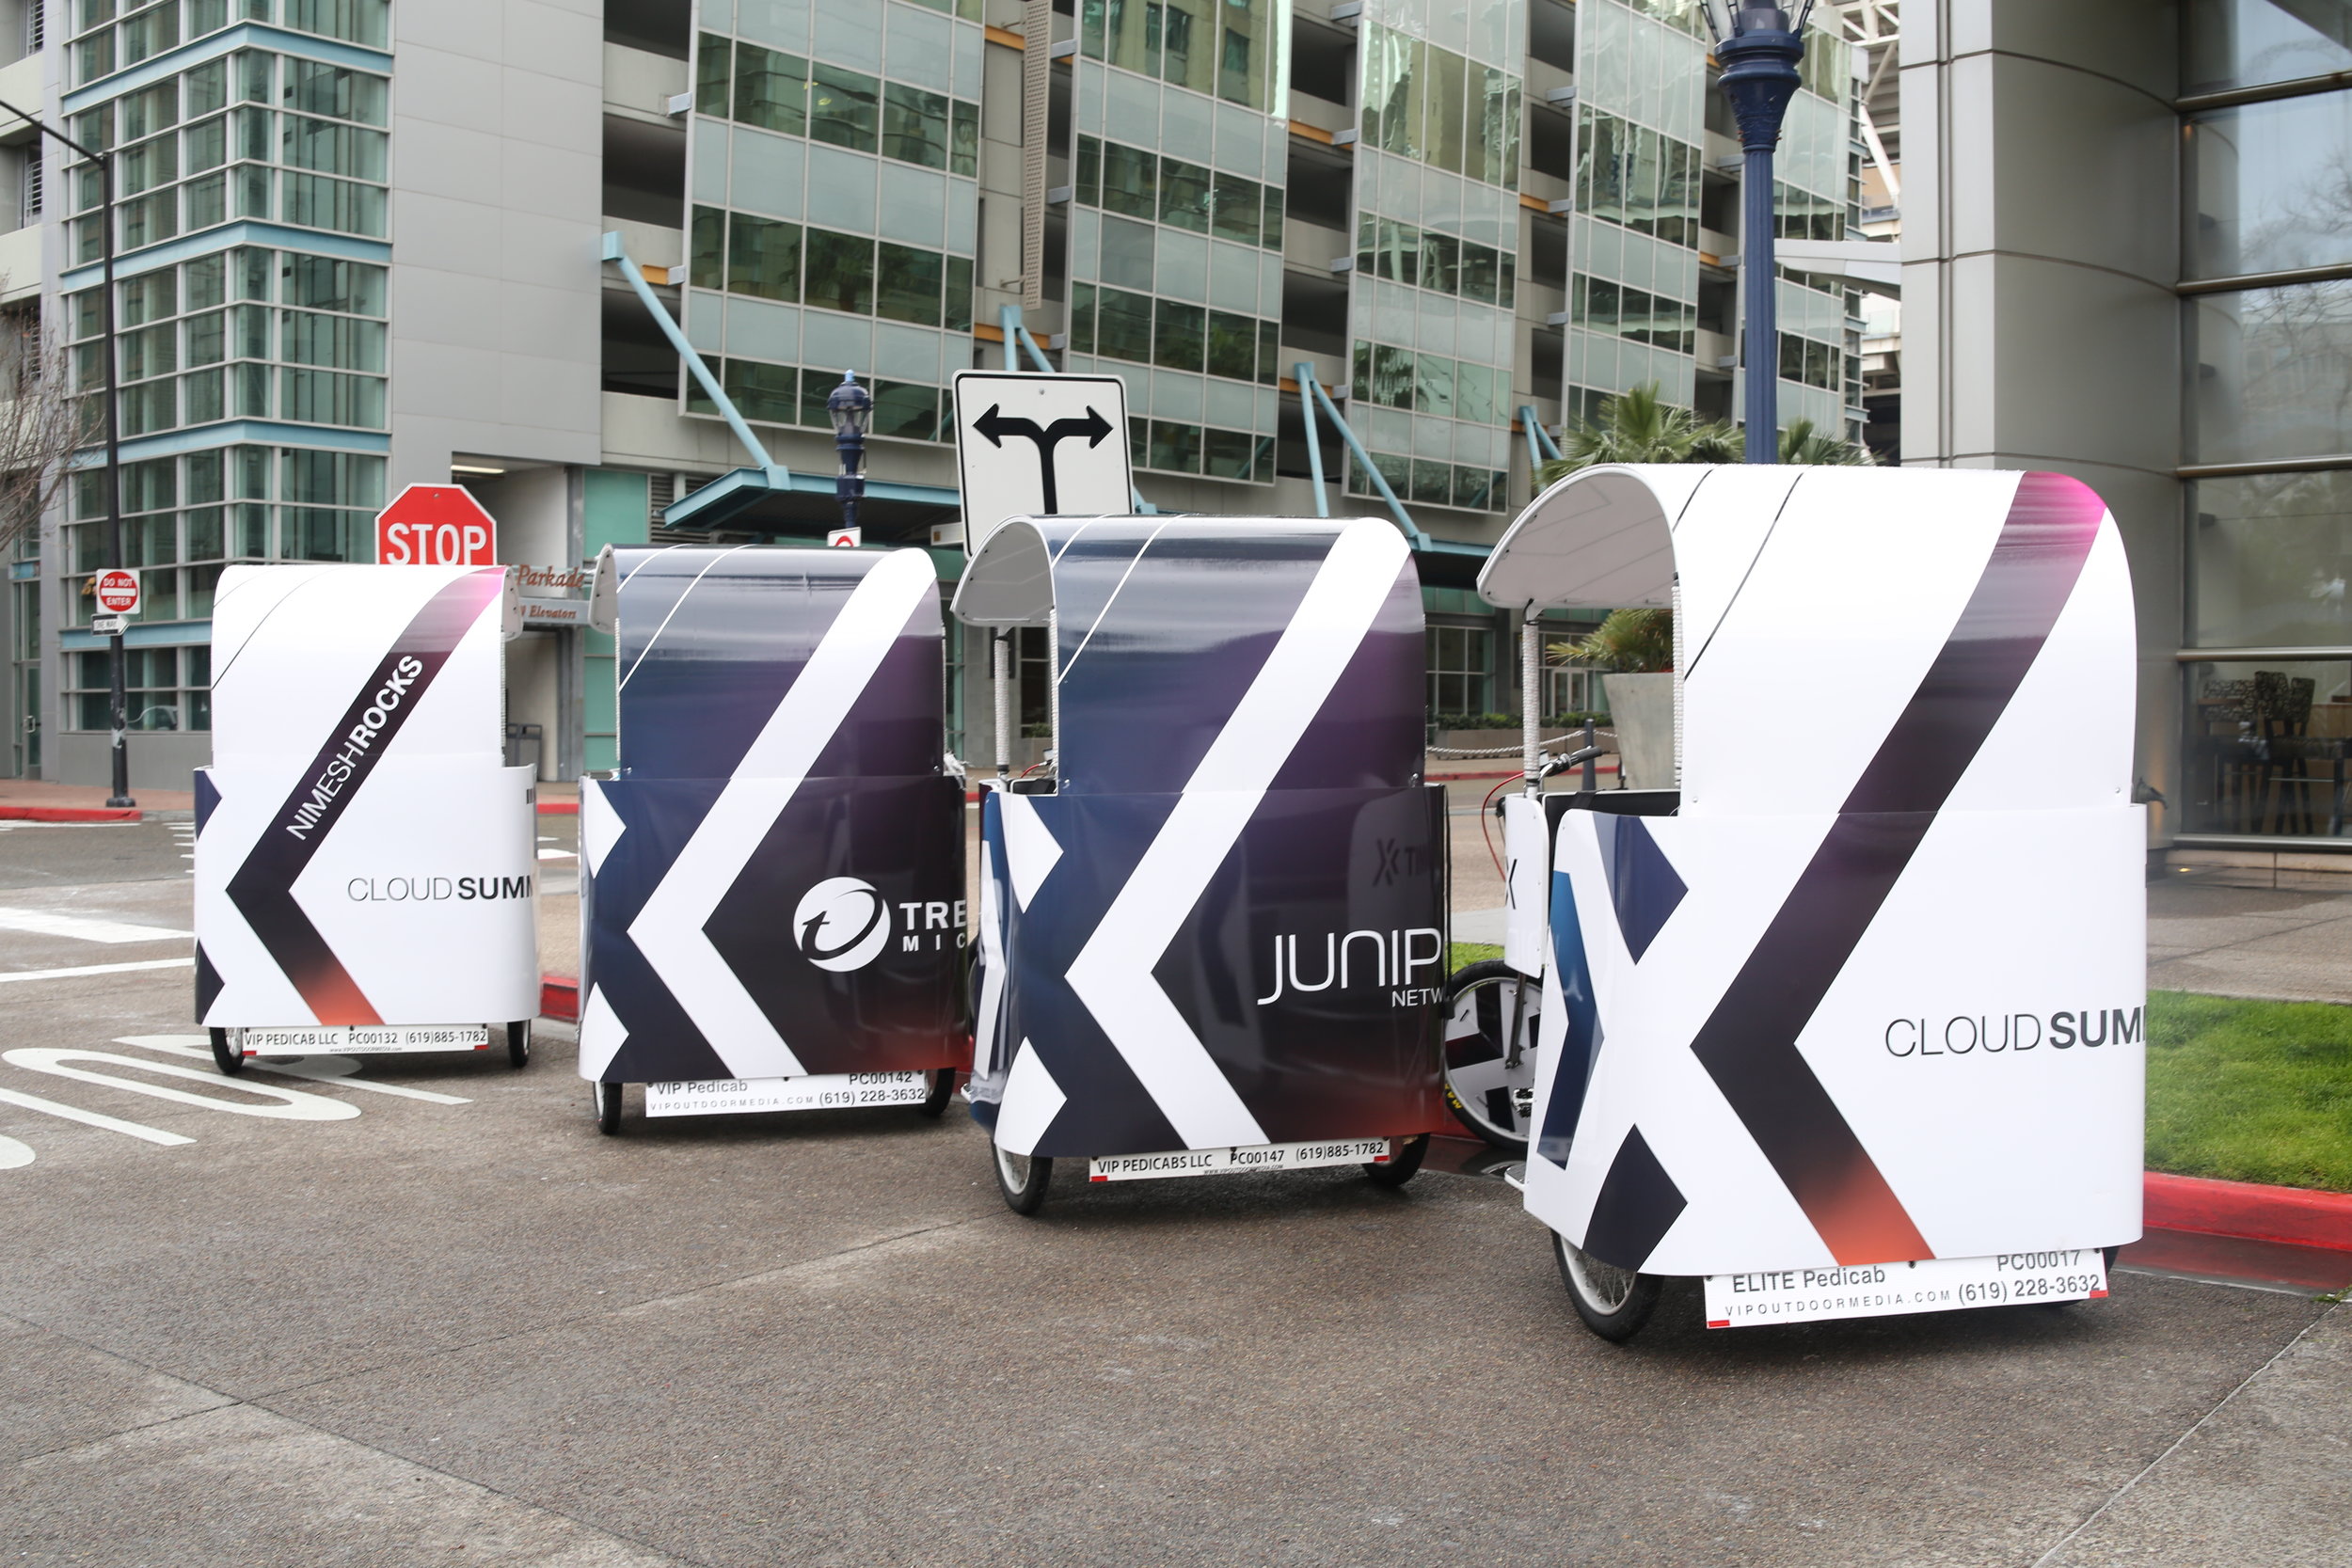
pixel 1483 1082
pixel 225 1057
pixel 519 1043
pixel 1023 1179
pixel 1614 1302
pixel 942 1089
pixel 605 1100
pixel 1401 1163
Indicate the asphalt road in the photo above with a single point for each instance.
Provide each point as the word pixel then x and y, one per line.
pixel 423 1312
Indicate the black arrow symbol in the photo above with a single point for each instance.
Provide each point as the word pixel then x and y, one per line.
pixel 994 425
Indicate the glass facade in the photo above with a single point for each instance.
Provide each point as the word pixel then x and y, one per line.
pixel 259 368
pixel 1178 162
pixel 833 164
pixel 2264 730
pixel 1432 297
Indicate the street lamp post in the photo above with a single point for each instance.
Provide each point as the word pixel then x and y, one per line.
pixel 117 703
pixel 1760 50
pixel 850 404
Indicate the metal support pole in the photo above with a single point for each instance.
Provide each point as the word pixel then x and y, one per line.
pixel 1305 375
pixel 1531 698
pixel 1009 323
pixel 695 365
pixel 1001 692
pixel 1760 56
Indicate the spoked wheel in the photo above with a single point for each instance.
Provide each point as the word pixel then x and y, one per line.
pixel 226 1056
pixel 1614 1302
pixel 942 1089
pixel 1490 1069
pixel 1402 1165
pixel 1023 1180
pixel 604 1100
pixel 519 1043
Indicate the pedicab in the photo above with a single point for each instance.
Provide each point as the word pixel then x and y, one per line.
pixel 1211 930
pixel 1852 1020
pixel 364 856
pixel 772 898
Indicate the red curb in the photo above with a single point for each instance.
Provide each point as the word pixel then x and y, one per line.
pixel 559 997
pixel 559 808
pixel 69 814
pixel 2299 1216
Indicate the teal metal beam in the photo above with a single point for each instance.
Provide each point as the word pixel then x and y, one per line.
pixel 1009 323
pixel 1305 375
pixel 1310 387
pixel 1541 447
pixel 731 492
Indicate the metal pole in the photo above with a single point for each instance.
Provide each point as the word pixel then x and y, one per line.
pixel 1530 699
pixel 1002 693
pixel 118 699
pixel 1760 58
pixel 850 488
pixel 1305 373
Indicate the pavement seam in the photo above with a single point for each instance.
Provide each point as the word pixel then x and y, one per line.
pixel 2118 1496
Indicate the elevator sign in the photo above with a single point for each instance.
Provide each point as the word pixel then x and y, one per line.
pixel 436 525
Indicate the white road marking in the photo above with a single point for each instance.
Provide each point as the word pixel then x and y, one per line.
pixel 75 1113
pixel 340 1070
pixel 96 968
pixel 13 1155
pixel 45 923
pixel 291 1104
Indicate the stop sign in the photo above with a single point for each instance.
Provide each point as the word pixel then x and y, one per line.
pixel 436 525
pixel 116 591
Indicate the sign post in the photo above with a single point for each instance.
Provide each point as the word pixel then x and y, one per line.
pixel 436 525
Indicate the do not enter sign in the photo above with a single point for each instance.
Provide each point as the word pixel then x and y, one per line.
pixel 116 591
pixel 436 525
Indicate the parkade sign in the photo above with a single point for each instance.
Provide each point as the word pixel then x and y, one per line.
pixel 436 525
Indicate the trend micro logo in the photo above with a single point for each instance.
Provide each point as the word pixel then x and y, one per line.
pixel 841 924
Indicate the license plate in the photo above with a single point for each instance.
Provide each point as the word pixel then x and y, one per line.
pixel 1217 1162
pixel 818 1091
pixel 356 1040
pixel 1880 1290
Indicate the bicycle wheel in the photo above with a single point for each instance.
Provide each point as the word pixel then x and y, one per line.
pixel 942 1089
pixel 1614 1302
pixel 1490 1088
pixel 1023 1179
pixel 225 1055
pixel 518 1044
pixel 1402 1165
pixel 604 1103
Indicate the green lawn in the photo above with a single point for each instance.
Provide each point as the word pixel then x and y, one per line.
pixel 2245 1091
pixel 2251 1091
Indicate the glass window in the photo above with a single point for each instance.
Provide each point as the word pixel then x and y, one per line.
pixel 1232 345
pixel 2263 746
pixel 1127 250
pixel 772 92
pixel 1460 663
pixel 1391 376
pixel 769 393
pixel 1175 447
pixel 2269 559
pixel 2271 372
pixel 2268 188
pixel 915 125
pixel 1433 385
pixel 324 283
pixel 963 150
pixel 1129 182
pixel 2241 43
pixel 317 88
pixel 1177 338
pixel 1441 263
pixel 1229 455
pixel 906 411
pixel 839 272
pixel 705 266
pixel 1235 203
pixel 764 257
pixel 843 108
pixel 1123 326
pixel 907 284
pixel 1269 353
pixel 955 308
pixel 1081 318
pixel 714 68
pixel 1183 196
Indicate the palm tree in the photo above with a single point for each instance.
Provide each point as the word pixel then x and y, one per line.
pixel 1636 427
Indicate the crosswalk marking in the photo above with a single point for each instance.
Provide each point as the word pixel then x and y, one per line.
pixel 47 923
pixel 95 969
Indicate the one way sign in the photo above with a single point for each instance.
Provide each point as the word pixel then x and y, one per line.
pixel 1039 445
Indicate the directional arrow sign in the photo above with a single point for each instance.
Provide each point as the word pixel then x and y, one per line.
pixel 1041 446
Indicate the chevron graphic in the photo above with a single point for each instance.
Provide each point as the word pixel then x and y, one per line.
pixel 668 930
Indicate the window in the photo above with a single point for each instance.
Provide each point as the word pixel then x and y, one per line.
pixel 840 272
pixel 1461 672
pixel 763 258
pixel 843 108
pixel 163 688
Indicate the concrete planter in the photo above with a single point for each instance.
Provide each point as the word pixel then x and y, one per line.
pixel 1641 711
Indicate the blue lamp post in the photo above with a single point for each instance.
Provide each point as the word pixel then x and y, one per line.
pixel 849 403
pixel 1760 50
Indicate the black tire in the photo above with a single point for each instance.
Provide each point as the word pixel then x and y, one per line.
pixel 1614 1302
pixel 942 1089
pixel 230 1062
pixel 605 1099
pixel 519 1043
pixel 1482 1092
pixel 1023 1179
pixel 1409 1154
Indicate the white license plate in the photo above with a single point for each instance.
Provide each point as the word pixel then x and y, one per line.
pixel 1216 1161
pixel 364 1040
pixel 1879 1289
pixel 715 1097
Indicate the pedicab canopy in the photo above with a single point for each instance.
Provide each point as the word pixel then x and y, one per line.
pixel 363 854
pixel 774 873
pixel 1218 920
pixel 1874 992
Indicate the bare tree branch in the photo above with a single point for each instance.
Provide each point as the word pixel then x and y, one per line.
pixel 42 422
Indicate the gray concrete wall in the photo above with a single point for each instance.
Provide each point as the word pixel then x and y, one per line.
pixel 498 118
pixel 2040 246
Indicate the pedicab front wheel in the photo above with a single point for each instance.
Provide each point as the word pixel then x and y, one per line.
pixel 942 1089
pixel 604 1100
pixel 518 1044
pixel 1401 1163
pixel 1023 1179
pixel 1614 1302
pixel 226 1056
